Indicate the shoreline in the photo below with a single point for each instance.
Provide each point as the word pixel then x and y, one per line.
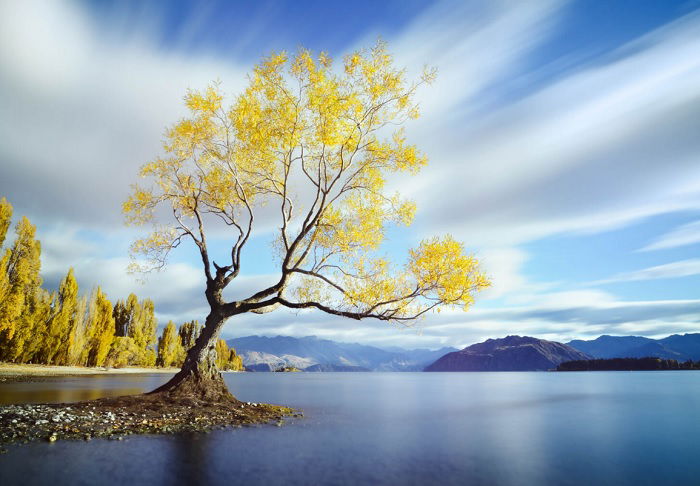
pixel 122 416
pixel 17 373
pixel 10 372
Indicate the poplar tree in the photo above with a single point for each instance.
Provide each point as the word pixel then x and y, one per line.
pixel 100 329
pixel 79 331
pixel 226 358
pixel 60 332
pixel 121 318
pixel 169 346
pixel 27 342
pixel 5 219
pixel 136 320
pixel 144 333
pixel 189 332
pixel 123 352
pixel 21 278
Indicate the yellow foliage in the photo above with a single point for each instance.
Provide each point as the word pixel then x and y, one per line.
pixel 5 218
pixel 170 351
pixel 321 144
pixel 226 358
pixel 100 329
pixel 21 265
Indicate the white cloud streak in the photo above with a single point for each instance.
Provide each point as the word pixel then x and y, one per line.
pixel 683 268
pixel 604 146
pixel 687 234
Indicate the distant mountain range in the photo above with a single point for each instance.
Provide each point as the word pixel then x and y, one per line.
pixel 679 347
pixel 512 353
pixel 310 353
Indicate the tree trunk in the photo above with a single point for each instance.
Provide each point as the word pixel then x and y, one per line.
pixel 199 379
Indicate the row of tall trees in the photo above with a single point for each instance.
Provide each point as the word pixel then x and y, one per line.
pixel 65 328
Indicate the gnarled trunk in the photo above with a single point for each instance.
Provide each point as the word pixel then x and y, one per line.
pixel 199 379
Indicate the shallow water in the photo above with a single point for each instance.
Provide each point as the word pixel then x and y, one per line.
pixel 612 428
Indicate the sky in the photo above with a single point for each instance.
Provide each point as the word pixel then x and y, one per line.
pixel 563 140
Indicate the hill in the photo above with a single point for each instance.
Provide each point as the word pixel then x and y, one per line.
pixel 512 353
pixel 261 353
pixel 679 347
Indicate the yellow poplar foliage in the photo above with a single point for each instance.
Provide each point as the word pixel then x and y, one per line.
pixel 78 332
pixel 318 143
pixel 170 349
pixel 59 335
pixel 189 332
pixel 61 328
pixel 226 358
pixel 5 219
pixel 26 344
pixel 137 321
pixel 21 278
pixel 100 329
pixel 123 352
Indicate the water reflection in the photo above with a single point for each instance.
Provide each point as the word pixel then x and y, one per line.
pixel 76 389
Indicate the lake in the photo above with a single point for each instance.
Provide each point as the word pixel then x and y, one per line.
pixel 616 428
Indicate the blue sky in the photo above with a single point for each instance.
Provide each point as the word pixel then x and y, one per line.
pixel 563 137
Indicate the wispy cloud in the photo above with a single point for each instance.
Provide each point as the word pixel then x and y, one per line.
pixel 81 110
pixel 589 152
pixel 684 268
pixel 688 234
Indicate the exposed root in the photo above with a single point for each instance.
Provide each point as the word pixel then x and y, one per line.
pixel 195 388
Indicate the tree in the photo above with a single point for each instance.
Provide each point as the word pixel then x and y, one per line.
pixel 226 358
pixel 123 352
pixel 100 329
pixel 79 332
pixel 137 321
pixel 189 332
pixel 169 346
pixel 60 332
pixel 19 279
pixel 5 219
pixel 313 143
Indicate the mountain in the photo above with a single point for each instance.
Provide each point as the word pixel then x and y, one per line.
pixel 512 353
pixel 679 347
pixel 263 353
pixel 259 361
pixel 687 345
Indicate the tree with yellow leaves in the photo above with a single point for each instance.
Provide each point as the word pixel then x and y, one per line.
pixel 19 278
pixel 5 219
pixel 60 330
pixel 136 320
pixel 226 358
pixel 99 330
pixel 169 346
pixel 318 145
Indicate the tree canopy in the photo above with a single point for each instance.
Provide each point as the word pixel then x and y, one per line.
pixel 314 145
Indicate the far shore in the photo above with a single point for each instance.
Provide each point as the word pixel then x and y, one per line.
pixel 13 371
pixel 18 372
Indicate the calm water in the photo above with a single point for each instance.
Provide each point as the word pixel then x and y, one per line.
pixel 612 428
